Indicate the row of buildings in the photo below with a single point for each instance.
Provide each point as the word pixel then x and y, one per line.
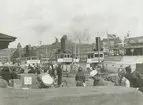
pixel 108 45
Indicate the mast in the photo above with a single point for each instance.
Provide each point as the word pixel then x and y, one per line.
pixel 108 42
pixel 75 49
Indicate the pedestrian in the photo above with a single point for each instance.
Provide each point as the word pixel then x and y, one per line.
pixel 97 79
pixel 13 74
pixel 31 71
pixel 121 80
pixel 80 78
pixel 59 74
pixel 3 83
pixel 5 74
pixel 121 70
pixel 132 77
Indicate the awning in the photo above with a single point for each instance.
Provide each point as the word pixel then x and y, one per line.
pixel 5 40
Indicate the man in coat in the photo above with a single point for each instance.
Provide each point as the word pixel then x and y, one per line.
pixel 59 74
pixel 80 77
pixel 3 83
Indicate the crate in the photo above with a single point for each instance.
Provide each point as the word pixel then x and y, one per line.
pixel 29 80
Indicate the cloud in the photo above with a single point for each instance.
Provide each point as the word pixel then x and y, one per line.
pixel 42 20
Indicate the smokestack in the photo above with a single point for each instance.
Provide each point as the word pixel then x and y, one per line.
pixel 98 42
pixel 63 43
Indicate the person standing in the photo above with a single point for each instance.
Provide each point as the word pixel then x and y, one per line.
pixel 121 70
pixel 131 77
pixel 59 74
pixel 3 83
pixel 80 77
pixel 6 74
pixel 13 74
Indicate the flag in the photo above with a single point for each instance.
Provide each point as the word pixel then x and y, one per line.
pixel 111 36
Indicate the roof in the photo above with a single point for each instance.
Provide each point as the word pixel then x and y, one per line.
pixel 4 37
pixel 138 37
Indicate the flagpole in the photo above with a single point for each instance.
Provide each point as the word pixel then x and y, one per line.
pixel 108 42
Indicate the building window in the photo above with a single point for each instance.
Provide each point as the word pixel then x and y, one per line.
pixel 91 55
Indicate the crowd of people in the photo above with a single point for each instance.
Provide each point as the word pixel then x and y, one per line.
pixel 7 75
pixel 126 76
pixel 94 75
pixel 54 71
pixel 130 78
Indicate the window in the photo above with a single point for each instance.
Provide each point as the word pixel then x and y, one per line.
pixel 91 55
pixel 96 55
pixel 101 55
pixel 88 55
pixel 68 56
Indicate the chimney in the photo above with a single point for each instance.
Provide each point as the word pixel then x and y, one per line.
pixel 98 43
pixel 63 43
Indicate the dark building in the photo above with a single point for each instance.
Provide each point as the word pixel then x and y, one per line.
pixel 134 46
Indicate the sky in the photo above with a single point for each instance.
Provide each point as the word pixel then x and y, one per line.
pixel 32 21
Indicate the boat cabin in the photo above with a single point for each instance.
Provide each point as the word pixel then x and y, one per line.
pixel 94 58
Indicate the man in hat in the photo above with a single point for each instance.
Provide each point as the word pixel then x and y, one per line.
pixel 3 83
pixel 134 77
pixel 80 77
pixel 97 79
pixel 59 74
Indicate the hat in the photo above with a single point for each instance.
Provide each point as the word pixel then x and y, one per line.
pixel 128 69
pixel 93 73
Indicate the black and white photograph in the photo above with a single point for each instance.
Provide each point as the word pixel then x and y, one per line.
pixel 71 52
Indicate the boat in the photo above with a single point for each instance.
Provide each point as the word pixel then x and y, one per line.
pixel 32 60
pixel 94 58
pixel 66 59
